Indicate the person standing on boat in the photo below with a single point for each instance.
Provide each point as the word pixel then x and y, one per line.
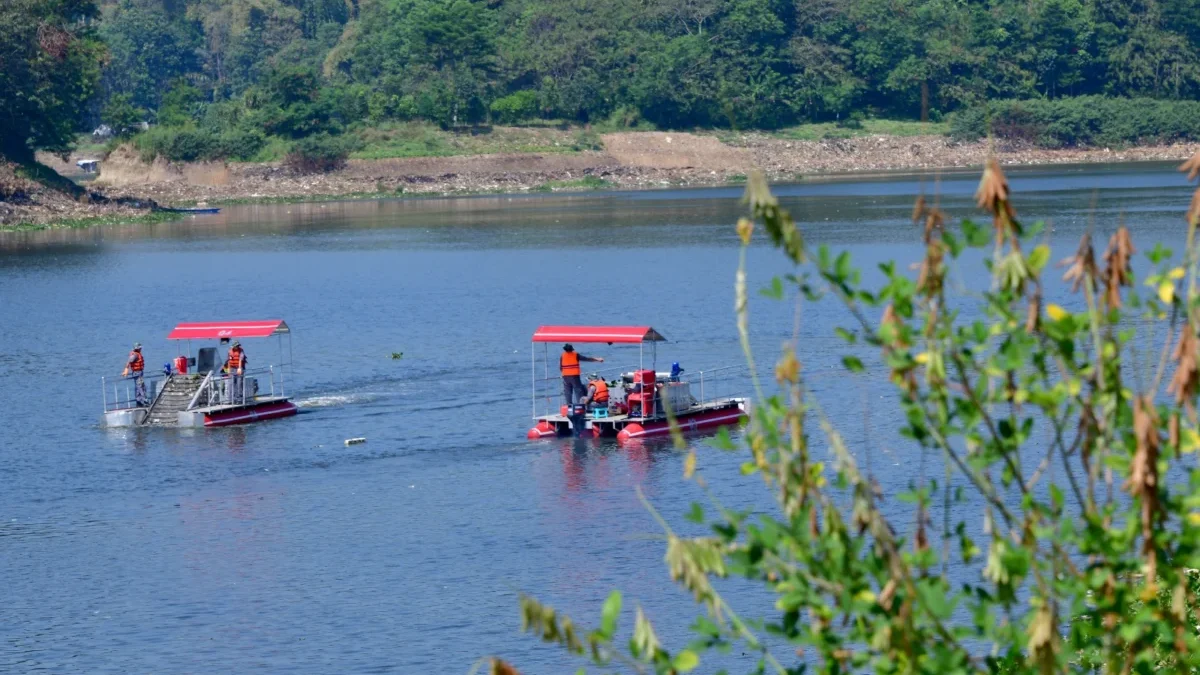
pixel 568 363
pixel 597 394
pixel 134 368
pixel 235 365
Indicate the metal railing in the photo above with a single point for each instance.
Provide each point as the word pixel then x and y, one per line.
pixel 548 391
pixel 708 386
pixel 716 385
pixel 120 393
pixel 218 389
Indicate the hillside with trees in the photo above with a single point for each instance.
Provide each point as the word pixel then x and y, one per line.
pixel 246 79
pixel 674 63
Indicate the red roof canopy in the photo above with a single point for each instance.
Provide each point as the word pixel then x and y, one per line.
pixel 213 330
pixel 585 334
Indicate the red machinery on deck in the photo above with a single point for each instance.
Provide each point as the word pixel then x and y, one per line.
pixel 639 397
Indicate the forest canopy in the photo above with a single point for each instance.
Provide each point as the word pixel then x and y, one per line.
pixel 49 67
pixel 740 63
pixel 289 69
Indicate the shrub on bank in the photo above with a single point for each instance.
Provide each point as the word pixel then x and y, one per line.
pixel 319 154
pixel 515 108
pixel 1085 121
pixel 190 144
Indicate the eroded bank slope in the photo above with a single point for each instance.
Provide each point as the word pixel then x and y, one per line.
pixel 629 160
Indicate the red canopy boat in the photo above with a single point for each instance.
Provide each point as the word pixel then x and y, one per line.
pixel 638 398
pixel 197 391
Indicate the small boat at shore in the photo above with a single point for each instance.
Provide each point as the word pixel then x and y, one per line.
pixel 205 209
pixel 638 397
pixel 206 396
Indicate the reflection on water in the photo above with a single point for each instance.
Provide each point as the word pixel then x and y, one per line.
pixel 1125 188
pixel 277 547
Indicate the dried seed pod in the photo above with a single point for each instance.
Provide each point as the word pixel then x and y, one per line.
pixel 1143 477
pixel 1186 381
pixel 1117 272
pixel 1082 265
pixel 933 272
pixel 992 196
pixel 993 187
pixel 500 667
pixel 1191 166
pixel 918 209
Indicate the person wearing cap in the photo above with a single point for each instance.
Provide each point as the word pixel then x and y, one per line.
pixel 235 365
pixel 568 363
pixel 597 392
pixel 135 367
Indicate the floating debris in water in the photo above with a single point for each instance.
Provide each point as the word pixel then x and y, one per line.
pixel 355 441
pixel 397 355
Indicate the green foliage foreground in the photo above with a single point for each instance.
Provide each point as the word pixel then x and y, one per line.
pixel 1088 567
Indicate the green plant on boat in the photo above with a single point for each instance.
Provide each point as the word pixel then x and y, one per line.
pixel 1067 500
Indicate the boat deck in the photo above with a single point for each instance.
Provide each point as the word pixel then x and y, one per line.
pixel 722 411
pixel 230 407
pixel 717 404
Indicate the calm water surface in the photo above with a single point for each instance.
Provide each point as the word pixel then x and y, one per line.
pixel 276 548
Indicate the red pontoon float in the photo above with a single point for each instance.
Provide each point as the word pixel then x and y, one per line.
pixel 638 398
pixel 205 396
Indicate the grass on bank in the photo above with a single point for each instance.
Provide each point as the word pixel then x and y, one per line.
pixel 93 221
pixel 419 139
pixel 870 127
pixel 400 140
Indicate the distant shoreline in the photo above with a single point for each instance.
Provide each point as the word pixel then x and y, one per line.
pixel 630 160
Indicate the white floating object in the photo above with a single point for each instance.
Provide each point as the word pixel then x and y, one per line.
pixel 355 441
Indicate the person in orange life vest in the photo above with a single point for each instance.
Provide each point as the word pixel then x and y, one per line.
pixel 568 363
pixel 597 396
pixel 134 368
pixel 235 365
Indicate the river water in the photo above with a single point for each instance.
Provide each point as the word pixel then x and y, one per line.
pixel 275 547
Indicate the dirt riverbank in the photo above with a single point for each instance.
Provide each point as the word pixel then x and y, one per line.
pixel 28 202
pixel 628 160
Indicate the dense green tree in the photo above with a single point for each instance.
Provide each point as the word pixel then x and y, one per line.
pixel 49 69
pixel 148 48
pixel 432 57
pixel 674 63
pixel 122 116
pixel 181 104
